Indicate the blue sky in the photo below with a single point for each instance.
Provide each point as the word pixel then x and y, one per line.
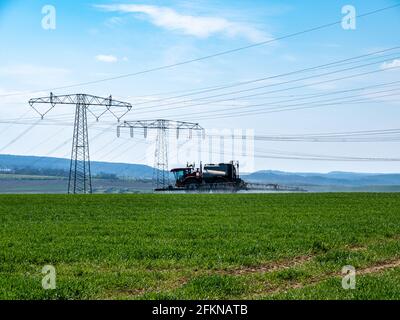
pixel 100 39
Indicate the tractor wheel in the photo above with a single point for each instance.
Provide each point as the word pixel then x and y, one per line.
pixel 192 184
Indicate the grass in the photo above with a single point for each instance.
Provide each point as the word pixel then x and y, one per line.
pixel 23 184
pixel 264 246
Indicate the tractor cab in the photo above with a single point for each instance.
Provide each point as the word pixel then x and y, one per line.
pixel 181 173
pixel 185 175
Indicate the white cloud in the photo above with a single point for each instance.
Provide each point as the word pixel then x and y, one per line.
pixel 201 27
pixel 389 65
pixel 106 58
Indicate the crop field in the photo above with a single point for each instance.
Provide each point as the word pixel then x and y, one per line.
pixel 18 184
pixel 244 246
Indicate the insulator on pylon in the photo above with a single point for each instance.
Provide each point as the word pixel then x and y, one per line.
pixel 190 134
pixel 118 132
pixel 79 173
pixel 131 132
pixel 177 133
pixel 145 132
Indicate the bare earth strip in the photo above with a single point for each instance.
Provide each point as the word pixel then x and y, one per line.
pixel 269 267
pixel 380 267
pixel 274 267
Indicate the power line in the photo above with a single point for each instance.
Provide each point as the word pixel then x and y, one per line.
pixel 311 137
pixel 221 87
pixel 311 157
pixel 64 143
pixel 306 156
pixel 114 148
pixel 68 115
pixel 320 27
pixel 294 99
pixel 45 141
pixel 18 137
pixel 289 108
pixel 383 135
pixel 266 86
pixel 125 151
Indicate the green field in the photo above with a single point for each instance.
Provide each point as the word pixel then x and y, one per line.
pixel 264 246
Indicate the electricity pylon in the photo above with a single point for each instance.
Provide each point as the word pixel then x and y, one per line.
pixel 80 180
pixel 160 169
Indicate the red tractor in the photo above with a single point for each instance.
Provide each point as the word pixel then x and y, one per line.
pixel 211 176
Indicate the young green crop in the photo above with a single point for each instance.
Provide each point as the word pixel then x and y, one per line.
pixel 192 246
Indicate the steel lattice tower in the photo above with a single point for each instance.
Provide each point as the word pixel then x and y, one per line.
pixel 160 169
pixel 80 180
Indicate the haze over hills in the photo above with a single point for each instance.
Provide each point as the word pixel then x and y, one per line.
pixel 60 167
pixel 326 179
pixel 45 164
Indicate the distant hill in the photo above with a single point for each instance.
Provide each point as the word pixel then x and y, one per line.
pixel 139 171
pixel 325 179
pixel 13 162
